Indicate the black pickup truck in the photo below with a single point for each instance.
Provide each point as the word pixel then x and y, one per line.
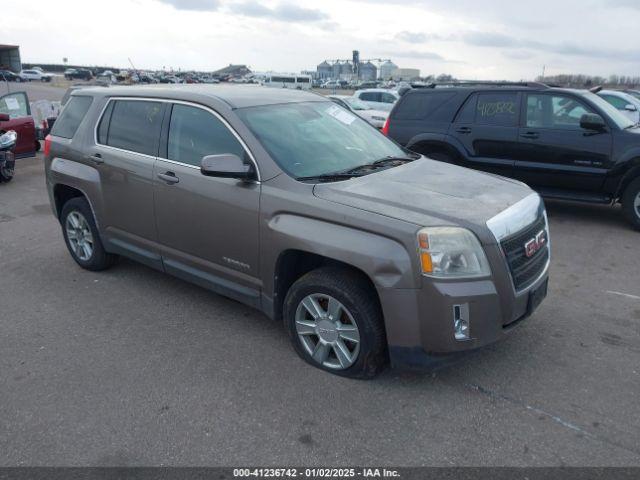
pixel 567 144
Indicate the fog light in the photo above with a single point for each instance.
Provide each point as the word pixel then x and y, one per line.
pixel 461 321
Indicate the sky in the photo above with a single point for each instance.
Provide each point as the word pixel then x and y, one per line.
pixel 470 39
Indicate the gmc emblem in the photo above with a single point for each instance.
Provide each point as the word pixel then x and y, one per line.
pixel 535 244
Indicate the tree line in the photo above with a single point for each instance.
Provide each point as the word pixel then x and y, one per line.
pixel 588 81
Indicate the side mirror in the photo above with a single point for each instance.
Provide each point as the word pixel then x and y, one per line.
pixel 592 121
pixel 8 140
pixel 630 108
pixel 4 117
pixel 226 165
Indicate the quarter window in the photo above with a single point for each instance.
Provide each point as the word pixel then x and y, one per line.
pixel 554 111
pixel 500 109
pixel 195 133
pixel 135 126
pixel 71 117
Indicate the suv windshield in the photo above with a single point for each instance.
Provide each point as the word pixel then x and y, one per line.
pixel 614 114
pixel 316 138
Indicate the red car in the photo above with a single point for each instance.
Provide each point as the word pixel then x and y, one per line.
pixel 15 114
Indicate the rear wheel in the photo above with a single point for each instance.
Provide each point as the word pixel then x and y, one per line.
pixel 6 174
pixel 334 321
pixel 631 203
pixel 81 236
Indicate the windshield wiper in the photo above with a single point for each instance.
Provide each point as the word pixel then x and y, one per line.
pixel 381 162
pixel 635 125
pixel 329 176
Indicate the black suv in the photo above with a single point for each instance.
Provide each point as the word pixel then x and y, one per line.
pixel 567 144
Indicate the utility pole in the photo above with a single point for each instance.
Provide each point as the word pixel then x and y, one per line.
pixel 544 67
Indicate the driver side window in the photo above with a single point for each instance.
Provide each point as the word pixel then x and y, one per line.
pixel 195 133
pixel 554 111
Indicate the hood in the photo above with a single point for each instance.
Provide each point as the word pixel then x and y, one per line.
pixel 429 193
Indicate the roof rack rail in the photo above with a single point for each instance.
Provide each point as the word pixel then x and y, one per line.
pixel 488 83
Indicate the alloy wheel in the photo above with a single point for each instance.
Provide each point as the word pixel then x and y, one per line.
pixel 636 204
pixel 327 331
pixel 79 235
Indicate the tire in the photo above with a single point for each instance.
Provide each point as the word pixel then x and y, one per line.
pixel 359 328
pixel 6 175
pixel 631 203
pixel 37 145
pixel 81 236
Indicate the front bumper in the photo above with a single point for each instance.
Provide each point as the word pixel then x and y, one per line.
pixel 494 310
pixel 420 322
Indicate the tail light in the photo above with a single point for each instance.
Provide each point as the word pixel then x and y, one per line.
pixel 385 129
pixel 47 145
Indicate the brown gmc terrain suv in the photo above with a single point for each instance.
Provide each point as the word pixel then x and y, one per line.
pixel 287 202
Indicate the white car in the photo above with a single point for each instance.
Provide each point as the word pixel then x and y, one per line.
pixel 364 111
pixel 34 74
pixel 378 98
pixel 628 105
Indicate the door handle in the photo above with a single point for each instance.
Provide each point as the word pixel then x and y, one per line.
pixel 530 135
pixel 168 177
pixel 96 158
pixel 463 130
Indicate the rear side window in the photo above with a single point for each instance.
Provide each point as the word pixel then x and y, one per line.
pixel 195 133
pixel 422 105
pixel 71 117
pixel 371 96
pixel 134 126
pixel 499 109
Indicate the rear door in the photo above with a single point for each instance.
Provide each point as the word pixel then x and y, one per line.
pixel 127 141
pixel 16 105
pixel 487 129
pixel 556 153
pixel 207 227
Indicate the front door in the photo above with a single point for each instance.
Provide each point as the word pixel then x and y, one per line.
pixel 207 227
pixel 556 152
pixel 487 129
pixel 16 105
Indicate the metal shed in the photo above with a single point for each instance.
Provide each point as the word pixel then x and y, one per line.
pixel 10 58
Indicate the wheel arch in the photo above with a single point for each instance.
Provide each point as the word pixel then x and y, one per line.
pixel 630 175
pixel 292 264
pixel 435 144
pixel 62 193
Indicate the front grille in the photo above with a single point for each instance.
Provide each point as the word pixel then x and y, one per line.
pixel 526 270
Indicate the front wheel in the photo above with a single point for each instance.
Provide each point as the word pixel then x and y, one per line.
pixel 81 236
pixel 335 323
pixel 631 203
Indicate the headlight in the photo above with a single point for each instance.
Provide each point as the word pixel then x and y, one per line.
pixel 451 252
